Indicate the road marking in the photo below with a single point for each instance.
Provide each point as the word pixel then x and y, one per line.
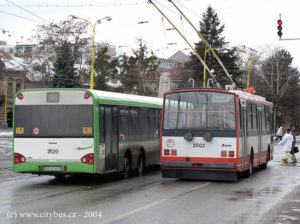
pixel 118 218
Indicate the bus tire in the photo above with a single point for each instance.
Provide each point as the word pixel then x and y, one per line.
pixel 126 166
pixel 265 165
pixel 141 164
pixel 249 172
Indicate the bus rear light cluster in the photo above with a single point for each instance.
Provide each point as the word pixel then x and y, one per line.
pixel 88 159
pixel 65 168
pixel 174 152
pixel 231 154
pixel 19 158
pixel 20 96
pixel 40 168
pixel 87 95
pixel 223 153
pixel 166 152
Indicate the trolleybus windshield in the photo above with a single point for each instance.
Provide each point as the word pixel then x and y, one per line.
pixel 199 110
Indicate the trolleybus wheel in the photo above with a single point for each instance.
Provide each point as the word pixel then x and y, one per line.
pixel 249 172
pixel 265 165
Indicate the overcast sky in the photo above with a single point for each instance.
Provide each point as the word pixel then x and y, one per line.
pixel 251 23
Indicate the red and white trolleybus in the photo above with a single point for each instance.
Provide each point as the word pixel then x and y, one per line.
pixel 215 134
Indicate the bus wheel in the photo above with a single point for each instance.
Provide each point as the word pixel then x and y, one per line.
pixel 141 165
pixel 265 165
pixel 249 172
pixel 126 166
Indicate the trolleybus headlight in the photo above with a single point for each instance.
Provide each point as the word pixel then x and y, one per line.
pixel 19 158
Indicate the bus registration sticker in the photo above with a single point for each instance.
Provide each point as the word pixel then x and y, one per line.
pixel 19 131
pixel 36 131
pixel 87 130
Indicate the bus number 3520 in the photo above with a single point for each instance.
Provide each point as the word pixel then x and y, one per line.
pixel 198 145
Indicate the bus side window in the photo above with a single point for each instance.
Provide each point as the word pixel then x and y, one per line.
pixel 134 126
pixel 240 116
pixel 144 123
pixel 254 116
pixel 123 123
pixel 249 117
pixel 102 124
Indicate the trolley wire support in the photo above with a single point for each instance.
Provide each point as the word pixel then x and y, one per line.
pixel 205 41
pixel 194 50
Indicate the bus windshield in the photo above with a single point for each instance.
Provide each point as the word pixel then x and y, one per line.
pixel 54 121
pixel 199 110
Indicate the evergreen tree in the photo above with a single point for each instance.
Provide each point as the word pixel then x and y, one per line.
pixel 64 72
pixel 105 69
pixel 211 29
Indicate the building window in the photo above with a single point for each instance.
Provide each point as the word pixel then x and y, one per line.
pixel 9 89
pixel 18 87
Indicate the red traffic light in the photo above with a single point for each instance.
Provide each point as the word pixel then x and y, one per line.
pixel 279 28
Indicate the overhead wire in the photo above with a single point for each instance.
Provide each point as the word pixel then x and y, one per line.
pixel 26 10
pixel 19 16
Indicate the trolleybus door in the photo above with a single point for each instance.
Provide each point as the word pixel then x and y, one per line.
pixel 259 127
pixel 244 131
pixel 111 137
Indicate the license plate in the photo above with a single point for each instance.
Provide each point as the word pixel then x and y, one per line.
pixel 52 168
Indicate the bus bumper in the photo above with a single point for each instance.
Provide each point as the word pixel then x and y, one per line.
pixel 205 171
pixel 58 168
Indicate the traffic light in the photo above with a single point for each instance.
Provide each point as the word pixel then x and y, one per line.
pixel 279 28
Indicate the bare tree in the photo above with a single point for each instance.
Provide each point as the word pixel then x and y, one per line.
pixel 49 38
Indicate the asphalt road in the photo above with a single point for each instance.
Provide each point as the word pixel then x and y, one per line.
pixel 270 196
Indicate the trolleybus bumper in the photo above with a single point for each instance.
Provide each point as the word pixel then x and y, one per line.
pixel 208 171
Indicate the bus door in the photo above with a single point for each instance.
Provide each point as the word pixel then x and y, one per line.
pixel 244 131
pixel 111 131
pixel 259 127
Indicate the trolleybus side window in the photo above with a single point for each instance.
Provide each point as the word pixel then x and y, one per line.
pixel 254 115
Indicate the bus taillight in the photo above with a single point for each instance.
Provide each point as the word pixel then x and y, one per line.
pixel 20 96
pixel 231 154
pixel 87 95
pixel 167 152
pixel 174 152
pixel 88 159
pixel 19 158
pixel 223 153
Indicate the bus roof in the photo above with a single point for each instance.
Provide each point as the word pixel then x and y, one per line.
pixel 126 99
pixel 113 98
pixel 241 94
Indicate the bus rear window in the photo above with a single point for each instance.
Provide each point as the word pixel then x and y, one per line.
pixel 54 121
pixel 199 111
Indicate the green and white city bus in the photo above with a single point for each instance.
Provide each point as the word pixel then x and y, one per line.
pixel 70 131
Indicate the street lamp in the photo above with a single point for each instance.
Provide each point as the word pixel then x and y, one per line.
pixel 248 64
pixel 108 18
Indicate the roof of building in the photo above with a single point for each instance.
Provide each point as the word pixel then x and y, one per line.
pixel 10 62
